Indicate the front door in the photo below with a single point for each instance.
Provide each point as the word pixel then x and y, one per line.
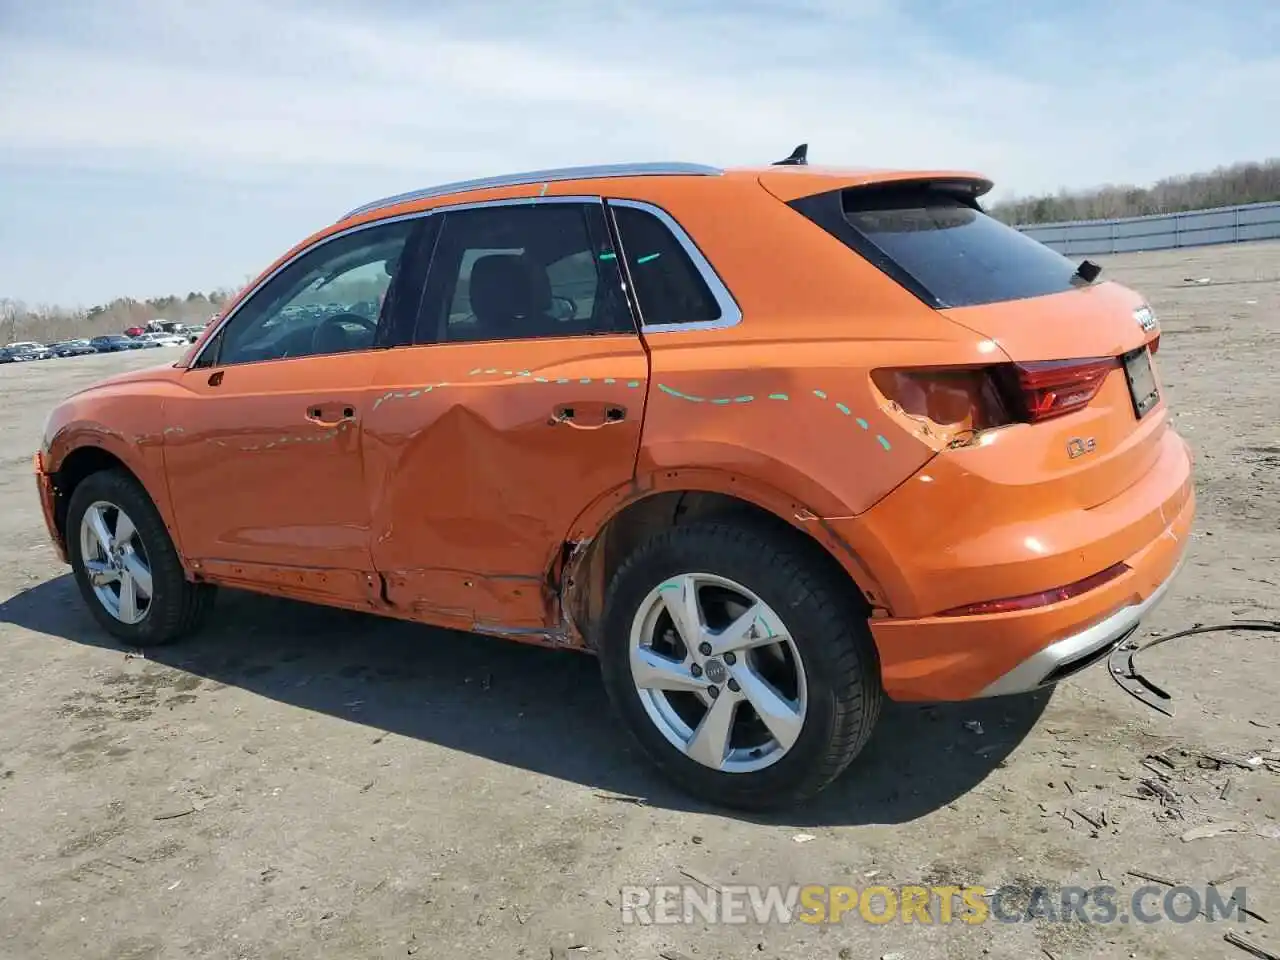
pixel 263 438
pixel 519 405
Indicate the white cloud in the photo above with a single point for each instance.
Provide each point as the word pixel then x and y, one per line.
pixel 237 84
pixel 361 100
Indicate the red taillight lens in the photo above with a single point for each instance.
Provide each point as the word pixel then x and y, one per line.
pixel 1041 599
pixel 1154 345
pixel 1053 388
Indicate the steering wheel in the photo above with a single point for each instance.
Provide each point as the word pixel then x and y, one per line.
pixel 322 328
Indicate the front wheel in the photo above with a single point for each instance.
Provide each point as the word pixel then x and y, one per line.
pixel 741 665
pixel 126 566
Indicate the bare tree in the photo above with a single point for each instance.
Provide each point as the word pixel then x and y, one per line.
pixel 1227 186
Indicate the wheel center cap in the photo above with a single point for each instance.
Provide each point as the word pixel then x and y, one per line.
pixel 715 670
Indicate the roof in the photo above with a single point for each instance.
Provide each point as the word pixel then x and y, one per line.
pixel 785 182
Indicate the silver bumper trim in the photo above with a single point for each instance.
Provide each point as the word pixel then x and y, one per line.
pixel 1032 672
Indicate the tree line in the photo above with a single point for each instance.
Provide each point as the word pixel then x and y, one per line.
pixel 1223 187
pixel 47 322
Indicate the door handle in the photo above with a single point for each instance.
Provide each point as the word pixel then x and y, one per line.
pixel 590 417
pixel 330 414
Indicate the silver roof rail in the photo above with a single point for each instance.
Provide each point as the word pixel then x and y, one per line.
pixel 597 172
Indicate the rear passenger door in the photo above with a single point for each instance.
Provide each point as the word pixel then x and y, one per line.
pixel 518 405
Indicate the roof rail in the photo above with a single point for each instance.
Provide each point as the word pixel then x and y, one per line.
pixel 544 176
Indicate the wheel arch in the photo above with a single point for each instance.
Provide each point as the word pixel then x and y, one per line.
pixel 608 532
pixel 76 463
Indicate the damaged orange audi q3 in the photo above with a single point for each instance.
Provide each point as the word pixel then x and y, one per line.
pixel 774 443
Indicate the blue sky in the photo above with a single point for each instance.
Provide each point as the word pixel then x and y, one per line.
pixel 159 146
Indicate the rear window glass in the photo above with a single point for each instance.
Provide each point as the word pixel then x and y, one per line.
pixel 958 255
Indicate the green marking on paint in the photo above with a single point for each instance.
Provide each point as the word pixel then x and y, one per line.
pixel 525 373
pixel 414 393
pixel 669 586
pixel 563 380
pixel 610 380
pixel 608 256
pixel 863 424
pixel 676 393
pixel 721 400
pixel 843 409
pixel 647 257
pixel 819 394
pixel 633 383
pixel 541 379
pixel 778 396
pixel 743 399
pixel 585 380
pixel 883 442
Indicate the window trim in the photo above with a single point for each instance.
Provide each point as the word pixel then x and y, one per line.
pixel 195 362
pixel 730 312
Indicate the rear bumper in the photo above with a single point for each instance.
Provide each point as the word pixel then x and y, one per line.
pixel 964 657
pixel 1073 653
pixel 44 484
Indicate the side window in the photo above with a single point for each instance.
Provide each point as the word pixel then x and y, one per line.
pixel 329 300
pixel 668 285
pixel 512 272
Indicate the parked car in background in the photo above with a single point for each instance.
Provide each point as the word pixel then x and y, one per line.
pixel 11 355
pixel 72 348
pixel 134 331
pixel 775 444
pixel 113 343
pixel 167 326
pixel 161 340
pixel 194 333
pixel 29 350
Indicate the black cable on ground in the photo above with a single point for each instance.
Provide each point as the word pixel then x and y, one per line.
pixel 1123 660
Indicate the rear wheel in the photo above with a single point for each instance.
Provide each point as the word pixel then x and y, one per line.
pixel 126 566
pixel 743 668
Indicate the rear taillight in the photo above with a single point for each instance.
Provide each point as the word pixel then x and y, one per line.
pixel 1154 345
pixel 958 401
pixel 951 401
pixel 1042 599
pixel 1054 388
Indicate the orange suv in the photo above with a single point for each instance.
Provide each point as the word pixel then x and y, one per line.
pixel 773 443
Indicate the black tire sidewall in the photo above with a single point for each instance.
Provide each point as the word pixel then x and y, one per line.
pixel 755 561
pixel 167 579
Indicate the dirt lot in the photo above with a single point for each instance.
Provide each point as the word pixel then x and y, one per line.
pixel 303 783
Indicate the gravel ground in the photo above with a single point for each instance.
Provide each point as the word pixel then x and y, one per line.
pixel 298 782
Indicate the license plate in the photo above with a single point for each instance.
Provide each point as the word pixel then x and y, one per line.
pixel 1142 381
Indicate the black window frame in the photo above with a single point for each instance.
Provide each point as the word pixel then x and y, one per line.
pixel 437 287
pixel 400 301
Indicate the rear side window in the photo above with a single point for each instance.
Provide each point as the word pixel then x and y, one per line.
pixel 946 251
pixel 668 285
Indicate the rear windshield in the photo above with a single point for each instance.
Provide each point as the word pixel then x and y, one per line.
pixel 944 249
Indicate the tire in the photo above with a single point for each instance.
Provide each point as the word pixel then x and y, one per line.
pixel 833 702
pixel 174 608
